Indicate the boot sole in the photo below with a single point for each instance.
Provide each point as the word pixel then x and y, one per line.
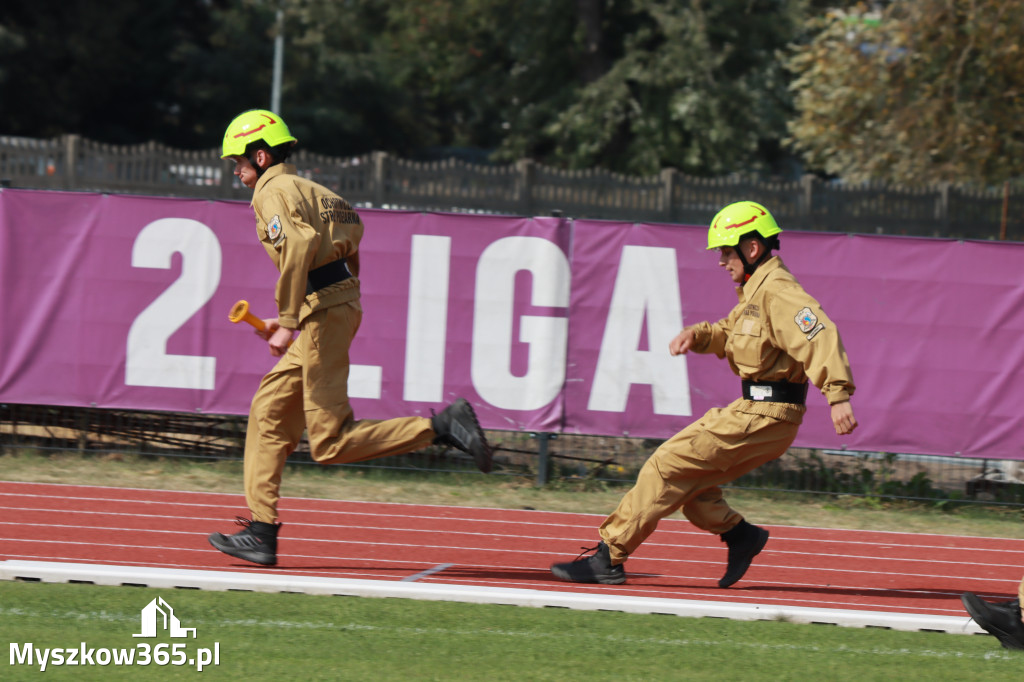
pixel 977 607
pixel 762 540
pixel 246 555
pixel 563 575
pixel 483 454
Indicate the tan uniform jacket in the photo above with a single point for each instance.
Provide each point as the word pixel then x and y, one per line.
pixel 303 225
pixel 778 332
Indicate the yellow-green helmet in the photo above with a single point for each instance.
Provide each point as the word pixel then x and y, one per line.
pixel 738 219
pixel 253 125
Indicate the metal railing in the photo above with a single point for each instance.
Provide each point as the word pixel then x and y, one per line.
pixel 542 458
pixel 525 188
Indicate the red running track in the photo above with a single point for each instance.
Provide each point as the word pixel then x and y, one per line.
pixel 804 567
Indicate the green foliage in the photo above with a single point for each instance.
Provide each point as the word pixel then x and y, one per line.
pixel 10 44
pixel 921 92
pixel 926 92
pixel 629 85
pixel 116 72
pixel 488 73
pixel 344 90
pixel 695 86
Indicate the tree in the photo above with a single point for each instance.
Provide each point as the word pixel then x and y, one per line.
pixel 344 92
pixel 629 85
pixel 224 68
pixel 481 71
pixel 105 70
pixel 694 85
pixel 923 92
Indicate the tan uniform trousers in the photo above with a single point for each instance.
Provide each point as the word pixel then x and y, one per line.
pixel 308 389
pixel 687 469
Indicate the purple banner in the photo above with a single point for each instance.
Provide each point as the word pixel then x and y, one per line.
pixel 932 329
pixel 462 305
pixel 545 324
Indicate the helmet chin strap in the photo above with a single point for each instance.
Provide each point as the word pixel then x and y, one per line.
pixel 749 268
pixel 255 164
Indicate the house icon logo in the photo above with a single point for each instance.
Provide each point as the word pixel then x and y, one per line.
pixel 158 615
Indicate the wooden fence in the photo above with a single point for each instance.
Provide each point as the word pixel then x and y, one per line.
pixel 524 188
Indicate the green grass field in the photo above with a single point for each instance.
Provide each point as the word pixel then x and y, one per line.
pixel 303 637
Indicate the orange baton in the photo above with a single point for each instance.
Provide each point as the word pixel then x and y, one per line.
pixel 240 312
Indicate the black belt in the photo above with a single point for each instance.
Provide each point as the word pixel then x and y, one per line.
pixel 775 391
pixel 326 275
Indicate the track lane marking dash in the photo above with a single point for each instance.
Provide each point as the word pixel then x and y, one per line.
pixel 423 574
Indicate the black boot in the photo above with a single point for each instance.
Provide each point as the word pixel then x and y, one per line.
pixel 256 542
pixel 1002 621
pixel 745 541
pixel 596 568
pixel 457 426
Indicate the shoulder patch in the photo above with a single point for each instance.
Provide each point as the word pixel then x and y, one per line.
pixel 275 233
pixel 808 323
pixel 805 319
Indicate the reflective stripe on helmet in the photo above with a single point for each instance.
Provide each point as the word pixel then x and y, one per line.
pixel 738 219
pixel 253 125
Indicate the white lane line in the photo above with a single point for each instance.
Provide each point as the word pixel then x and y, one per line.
pixel 892 535
pixel 1012 561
